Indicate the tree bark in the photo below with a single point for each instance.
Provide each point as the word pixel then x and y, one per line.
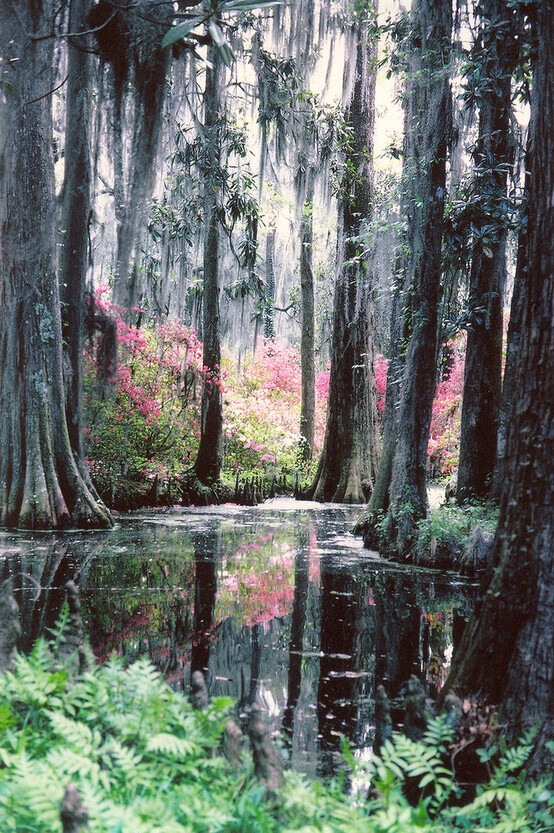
pixel 348 463
pixel 427 136
pixel 147 65
pixel 269 301
pixel 76 211
pixel 495 54
pixel 40 485
pixel 507 651
pixel 307 341
pixel 209 457
pixel 379 501
pixel 515 328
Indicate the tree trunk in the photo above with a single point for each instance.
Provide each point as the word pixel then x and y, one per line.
pixel 269 301
pixel 492 155
pixel 150 64
pixel 40 485
pixel 379 501
pixel 307 341
pixel 209 457
pixel 76 211
pixel 507 652
pixel 348 462
pixel 428 129
pixel 515 328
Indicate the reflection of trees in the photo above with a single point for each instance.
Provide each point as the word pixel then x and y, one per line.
pixel 39 569
pixel 296 641
pixel 205 588
pixel 137 596
pixel 340 665
pixel 397 653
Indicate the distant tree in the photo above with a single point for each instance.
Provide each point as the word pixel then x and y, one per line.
pixel 129 37
pixel 210 451
pixel 348 462
pixel 506 655
pixel 40 483
pixel 493 62
pixel 428 121
pixel 307 338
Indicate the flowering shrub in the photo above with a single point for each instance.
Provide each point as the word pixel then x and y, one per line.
pixel 144 420
pixel 262 410
pixel 444 437
pixel 381 368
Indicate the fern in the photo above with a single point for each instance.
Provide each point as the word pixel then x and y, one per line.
pixel 439 733
pixel 142 760
pixel 401 759
pixel 169 745
pixel 73 732
pixel 57 633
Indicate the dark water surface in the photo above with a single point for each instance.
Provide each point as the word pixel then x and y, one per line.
pixel 278 604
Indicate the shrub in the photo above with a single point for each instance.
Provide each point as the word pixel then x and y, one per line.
pixel 444 434
pixel 262 410
pixel 144 420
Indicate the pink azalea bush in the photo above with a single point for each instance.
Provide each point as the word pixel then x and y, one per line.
pixel 444 438
pixel 144 420
pixel 262 410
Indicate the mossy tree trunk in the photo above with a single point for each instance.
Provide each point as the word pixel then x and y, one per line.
pixel 349 459
pixel 427 138
pixel 40 485
pixel 209 458
pixel 379 501
pixel 76 210
pixel 495 52
pixel 507 652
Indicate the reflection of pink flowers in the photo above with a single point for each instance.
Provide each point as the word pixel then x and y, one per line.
pixel 257 585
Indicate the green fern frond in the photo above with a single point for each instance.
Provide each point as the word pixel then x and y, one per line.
pixel 439 733
pixel 36 792
pixel 122 757
pixel 497 795
pixel 169 745
pixel 73 732
pixel 40 655
pixel 57 632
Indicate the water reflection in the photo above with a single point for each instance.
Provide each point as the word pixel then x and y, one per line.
pixel 277 604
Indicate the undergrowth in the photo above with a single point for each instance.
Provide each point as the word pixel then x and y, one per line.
pixel 145 762
pixel 448 527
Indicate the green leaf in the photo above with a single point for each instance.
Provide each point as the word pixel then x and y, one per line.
pixel 181 30
pixel 248 5
pixel 169 745
pixel 227 54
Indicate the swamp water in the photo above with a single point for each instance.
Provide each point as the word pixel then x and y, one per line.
pixel 278 604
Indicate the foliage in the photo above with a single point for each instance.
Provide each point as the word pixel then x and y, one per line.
pixel 145 762
pixel 262 411
pixel 444 434
pixel 449 527
pixel 209 15
pixel 144 422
